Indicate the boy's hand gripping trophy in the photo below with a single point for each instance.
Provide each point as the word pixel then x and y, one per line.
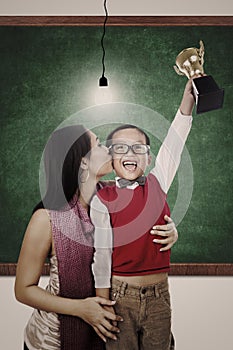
pixel 207 94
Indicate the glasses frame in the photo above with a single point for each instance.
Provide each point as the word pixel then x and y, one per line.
pixel 129 147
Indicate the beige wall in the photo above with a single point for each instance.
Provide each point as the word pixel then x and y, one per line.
pixel 116 7
pixel 202 313
pixel 202 307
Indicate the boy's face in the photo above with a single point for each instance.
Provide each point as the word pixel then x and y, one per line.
pixel 130 165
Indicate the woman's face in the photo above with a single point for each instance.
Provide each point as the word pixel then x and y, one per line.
pixel 100 161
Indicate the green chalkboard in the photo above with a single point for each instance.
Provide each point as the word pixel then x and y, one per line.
pixel 49 74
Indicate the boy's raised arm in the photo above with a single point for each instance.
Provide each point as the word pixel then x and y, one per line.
pixel 168 158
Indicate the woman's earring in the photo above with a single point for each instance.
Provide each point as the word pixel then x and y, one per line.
pixel 83 177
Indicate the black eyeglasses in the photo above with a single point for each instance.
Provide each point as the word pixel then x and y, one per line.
pixel 123 148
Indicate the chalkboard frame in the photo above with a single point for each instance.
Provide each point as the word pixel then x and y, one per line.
pixel 180 269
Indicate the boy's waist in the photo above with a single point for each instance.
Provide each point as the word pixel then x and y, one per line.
pixel 143 280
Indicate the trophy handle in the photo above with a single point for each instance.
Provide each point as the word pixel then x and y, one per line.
pixel 178 71
pixel 201 52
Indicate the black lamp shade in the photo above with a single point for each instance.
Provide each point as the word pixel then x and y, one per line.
pixel 103 81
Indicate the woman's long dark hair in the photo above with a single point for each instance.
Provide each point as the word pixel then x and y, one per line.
pixel 62 158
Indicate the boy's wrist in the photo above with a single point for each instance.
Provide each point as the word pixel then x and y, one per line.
pixel 187 102
pixel 186 108
pixel 102 292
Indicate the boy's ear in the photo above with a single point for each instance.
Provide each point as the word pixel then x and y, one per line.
pixel 149 159
pixel 84 163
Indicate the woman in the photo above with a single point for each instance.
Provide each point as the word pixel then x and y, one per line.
pixel 66 315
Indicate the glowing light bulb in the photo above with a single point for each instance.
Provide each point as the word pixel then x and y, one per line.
pixel 103 93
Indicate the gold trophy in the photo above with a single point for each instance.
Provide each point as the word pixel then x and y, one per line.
pixel 207 94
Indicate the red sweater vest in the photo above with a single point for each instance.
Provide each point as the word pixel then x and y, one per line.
pixel 133 213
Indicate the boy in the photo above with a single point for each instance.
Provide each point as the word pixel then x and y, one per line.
pixel 138 267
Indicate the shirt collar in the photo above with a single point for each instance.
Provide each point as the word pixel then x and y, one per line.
pixel 130 187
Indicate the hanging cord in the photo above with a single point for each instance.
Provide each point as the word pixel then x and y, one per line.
pixel 102 39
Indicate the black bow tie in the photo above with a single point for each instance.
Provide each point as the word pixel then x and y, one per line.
pixel 125 183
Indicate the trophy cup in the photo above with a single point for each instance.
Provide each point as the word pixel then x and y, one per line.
pixel 208 95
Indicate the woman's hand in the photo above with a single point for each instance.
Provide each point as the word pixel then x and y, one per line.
pixel 93 312
pixel 111 309
pixel 168 231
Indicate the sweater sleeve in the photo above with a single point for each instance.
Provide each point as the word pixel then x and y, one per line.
pixel 168 158
pixel 101 266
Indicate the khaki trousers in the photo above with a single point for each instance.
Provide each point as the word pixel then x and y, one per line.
pixel 147 317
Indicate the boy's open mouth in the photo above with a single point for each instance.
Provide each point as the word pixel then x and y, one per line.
pixel 129 165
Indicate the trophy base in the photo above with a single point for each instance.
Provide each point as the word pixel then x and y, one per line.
pixel 207 94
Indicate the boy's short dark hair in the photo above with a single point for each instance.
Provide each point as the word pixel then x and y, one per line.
pixel 123 127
